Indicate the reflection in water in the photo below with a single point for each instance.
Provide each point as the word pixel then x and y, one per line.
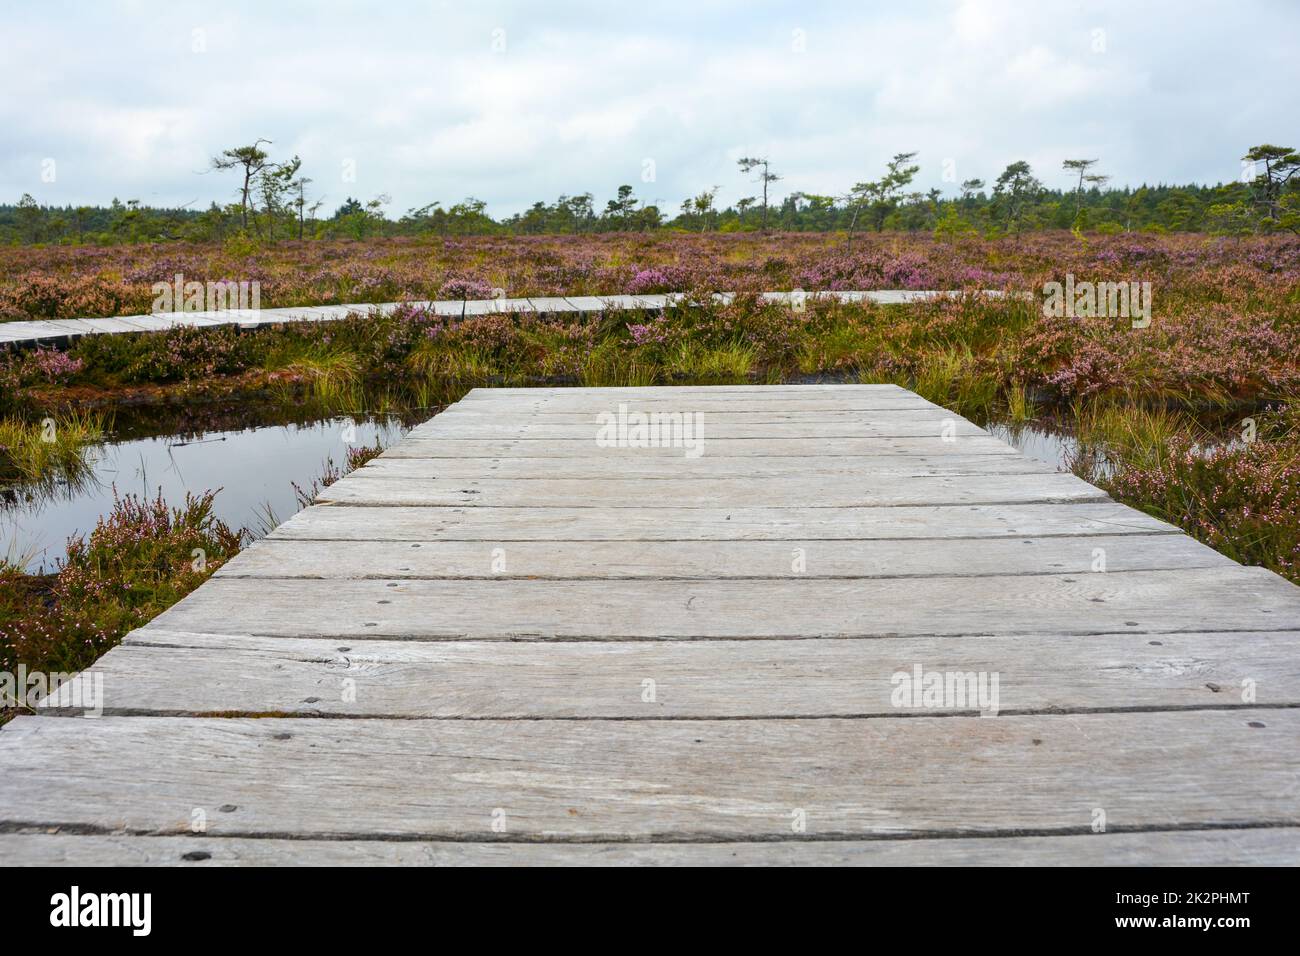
pixel 254 467
pixel 1055 443
pixel 62 485
pixel 1039 442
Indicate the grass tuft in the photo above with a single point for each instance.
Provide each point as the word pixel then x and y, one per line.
pixel 53 448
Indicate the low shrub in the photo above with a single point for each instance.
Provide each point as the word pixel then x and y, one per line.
pixel 139 560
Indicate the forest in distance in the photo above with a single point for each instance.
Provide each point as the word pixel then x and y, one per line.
pixel 275 199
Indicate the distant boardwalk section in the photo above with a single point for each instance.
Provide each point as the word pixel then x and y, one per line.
pixel 240 306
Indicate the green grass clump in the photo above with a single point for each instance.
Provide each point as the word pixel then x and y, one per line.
pixel 842 346
pixel 53 448
pixel 956 379
pixel 1019 407
pixel 1112 434
pixel 331 375
pixel 609 365
pixel 721 365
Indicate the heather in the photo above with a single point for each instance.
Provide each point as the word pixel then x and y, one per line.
pixel 1223 332
pixel 138 560
pixel 1224 329
pixel 1241 498
pixel 78 281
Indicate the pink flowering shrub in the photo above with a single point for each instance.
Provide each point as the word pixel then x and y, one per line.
pixel 137 561
pixel 80 281
pixel 1242 499
pixel 659 279
pixel 654 332
pixel 51 365
pixel 188 353
pixel 465 288
pixel 1225 324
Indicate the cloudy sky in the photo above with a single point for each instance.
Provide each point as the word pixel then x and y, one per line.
pixel 514 102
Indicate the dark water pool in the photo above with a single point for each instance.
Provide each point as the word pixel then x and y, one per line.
pixel 254 467
pixel 1038 441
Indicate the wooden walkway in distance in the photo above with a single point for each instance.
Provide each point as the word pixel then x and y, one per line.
pixel 36 332
pixel 503 642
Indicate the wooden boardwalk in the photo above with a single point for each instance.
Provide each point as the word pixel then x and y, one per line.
pixel 505 642
pixel 42 332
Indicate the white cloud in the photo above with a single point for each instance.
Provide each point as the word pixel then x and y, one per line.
pixel 581 94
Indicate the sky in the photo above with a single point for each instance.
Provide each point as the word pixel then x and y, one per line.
pixel 512 102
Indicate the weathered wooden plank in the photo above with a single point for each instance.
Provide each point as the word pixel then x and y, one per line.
pixel 872 391
pixel 202 319
pixel 297 313
pixel 664 523
pixel 777 415
pixel 647 780
pixel 251 318
pixel 33 330
pixel 549 304
pixel 14 331
pixel 153 323
pixel 621 302
pixel 159 671
pixel 316 313
pixel 707 560
pixel 1263 846
pixel 124 323
pixel 1225 599
pixel 507 394
pixel 458 308
pixel 362 488
pixel 513 306
pixel 70 327
pixel 877 296
pixel 708 445
pixel 899 467
pixel 592 419
pixel 694 430
pixel 870 402
pixel 586 303
pixel 743 397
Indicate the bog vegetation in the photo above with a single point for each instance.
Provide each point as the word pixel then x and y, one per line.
pixel 1191 418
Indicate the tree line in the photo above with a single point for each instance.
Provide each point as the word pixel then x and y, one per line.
pixel 274 201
